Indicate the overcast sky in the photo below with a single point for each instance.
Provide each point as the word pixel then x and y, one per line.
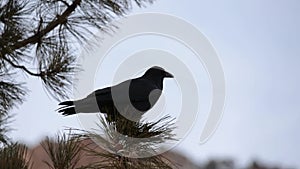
pixel 258 44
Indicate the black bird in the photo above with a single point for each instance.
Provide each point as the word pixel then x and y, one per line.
pixel 142 93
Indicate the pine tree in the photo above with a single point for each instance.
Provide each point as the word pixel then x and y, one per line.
pixel 40 38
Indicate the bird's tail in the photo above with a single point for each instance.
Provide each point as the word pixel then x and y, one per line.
pixel 68 108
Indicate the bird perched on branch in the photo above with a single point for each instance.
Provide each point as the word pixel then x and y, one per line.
pixel 139 93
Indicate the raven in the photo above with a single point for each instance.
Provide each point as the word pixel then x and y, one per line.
pixel 142 93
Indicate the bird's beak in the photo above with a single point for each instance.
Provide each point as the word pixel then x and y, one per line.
pixel 168 75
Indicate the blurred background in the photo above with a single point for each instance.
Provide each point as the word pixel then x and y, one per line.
pixel 258 44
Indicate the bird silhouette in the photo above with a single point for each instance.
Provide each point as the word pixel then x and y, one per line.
pixel 142 93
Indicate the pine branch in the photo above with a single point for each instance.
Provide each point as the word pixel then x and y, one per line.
pixel 65 151
pixel 60 19
pixel 15 156
pixel 21 67
pixel 121 151
pixel 11 93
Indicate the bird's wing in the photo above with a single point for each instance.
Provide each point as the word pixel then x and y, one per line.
pixel 141 89
pixel 130 91
pixel 137 90
pixel 89 104
pixel 101 94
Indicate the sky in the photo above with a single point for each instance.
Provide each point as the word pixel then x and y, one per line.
pixel 258 45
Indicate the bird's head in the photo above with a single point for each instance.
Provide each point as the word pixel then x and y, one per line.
pixel 156 71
